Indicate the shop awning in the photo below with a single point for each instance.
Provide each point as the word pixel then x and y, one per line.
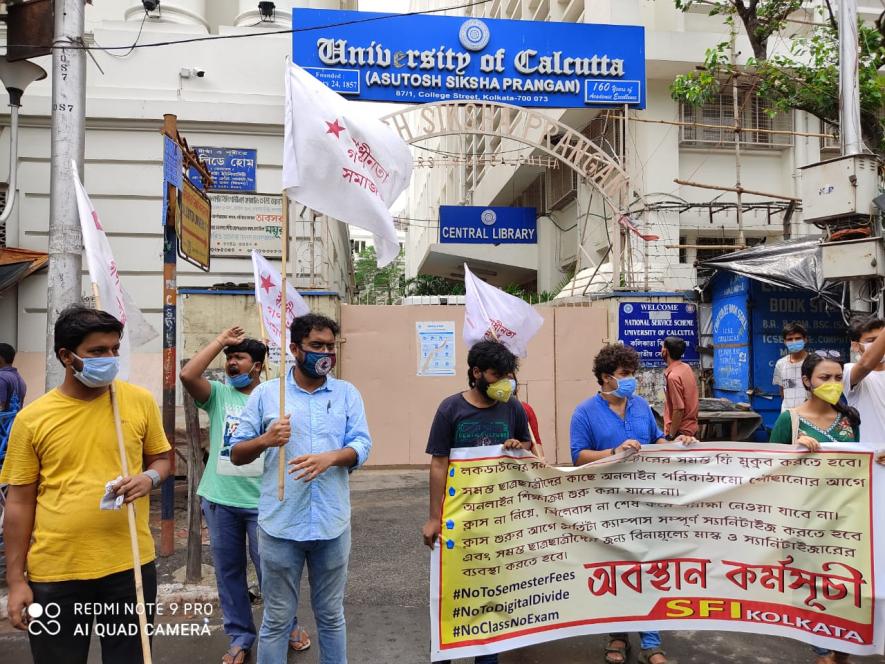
pixel 17 264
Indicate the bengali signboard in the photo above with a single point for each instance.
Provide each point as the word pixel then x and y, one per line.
pixel 195 226
pixel 243 222
pixel 232 169
pixel 420 59
pixel 644 325
pixel 724 536
pixel 731 336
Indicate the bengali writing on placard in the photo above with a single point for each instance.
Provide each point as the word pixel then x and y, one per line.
pixel 764 538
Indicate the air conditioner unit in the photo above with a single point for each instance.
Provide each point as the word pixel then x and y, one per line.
pixel 840 188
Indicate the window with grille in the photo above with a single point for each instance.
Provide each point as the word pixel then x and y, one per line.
pixel 715 122
pixel 532 196
pixel 560 186
pixel 832 142
pixel 606 130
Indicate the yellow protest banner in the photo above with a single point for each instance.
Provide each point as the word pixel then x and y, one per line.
pixel 727 536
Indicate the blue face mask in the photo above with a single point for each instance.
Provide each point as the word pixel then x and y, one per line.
pixel 795 346
pixel 317 365
pixel 626 387
pixel 97 371
pixel 240 380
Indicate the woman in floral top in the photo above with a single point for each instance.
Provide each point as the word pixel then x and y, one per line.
pixel 823 418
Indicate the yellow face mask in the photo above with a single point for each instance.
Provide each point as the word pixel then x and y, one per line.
pixel 501 390
pixel 829 392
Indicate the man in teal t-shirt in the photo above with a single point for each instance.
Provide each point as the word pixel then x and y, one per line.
pixel 230 493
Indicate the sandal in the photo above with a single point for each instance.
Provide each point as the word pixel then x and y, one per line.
pixel 299 640
pixel 235 655
pixel 646 656
pixel 612 652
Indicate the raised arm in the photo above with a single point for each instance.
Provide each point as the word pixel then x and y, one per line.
pixel 192 372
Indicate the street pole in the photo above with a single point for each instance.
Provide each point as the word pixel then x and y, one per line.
pixel 737 138
pixel 68 136
pixel 849 93
pixel 170 333
pixel 849 111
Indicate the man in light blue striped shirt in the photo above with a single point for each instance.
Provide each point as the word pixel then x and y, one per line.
pixel 325 436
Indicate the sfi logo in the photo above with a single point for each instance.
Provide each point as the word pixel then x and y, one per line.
pixel 42 619
pixel 324 365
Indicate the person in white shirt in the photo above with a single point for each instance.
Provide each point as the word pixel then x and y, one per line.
pixel 788 370
pixel 865 379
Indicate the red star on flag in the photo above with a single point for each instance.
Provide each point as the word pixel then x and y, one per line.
pixel 266 283
pixel 334 128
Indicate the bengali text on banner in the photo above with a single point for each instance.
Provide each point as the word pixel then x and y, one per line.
pixel 744 537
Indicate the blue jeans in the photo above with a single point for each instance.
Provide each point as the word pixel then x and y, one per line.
pixel 282 562
pixel 229 528
pixel 647 640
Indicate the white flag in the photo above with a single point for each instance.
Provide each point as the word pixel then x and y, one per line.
pixel 341 162
pixel 492 314
pixel 268 294
pixel 103 272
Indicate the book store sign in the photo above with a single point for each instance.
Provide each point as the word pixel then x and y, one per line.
pixel 420 59
pixel 243 222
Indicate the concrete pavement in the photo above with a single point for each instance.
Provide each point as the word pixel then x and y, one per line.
pixel 387 602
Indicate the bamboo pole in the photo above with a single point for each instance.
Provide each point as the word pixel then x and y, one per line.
pixel 702 125
pixel 700 185
pixel 284 302
pixel 141 609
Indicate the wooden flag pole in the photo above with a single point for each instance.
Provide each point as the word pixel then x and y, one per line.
pixel 264 338
pixel 141 609
pixel 536 449
pixel 284 303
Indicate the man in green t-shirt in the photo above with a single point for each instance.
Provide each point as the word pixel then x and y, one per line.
pixel 229 493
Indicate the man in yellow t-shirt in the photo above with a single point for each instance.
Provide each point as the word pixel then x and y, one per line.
pixel 63 553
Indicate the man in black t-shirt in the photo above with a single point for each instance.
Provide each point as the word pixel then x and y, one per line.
pixel 483 415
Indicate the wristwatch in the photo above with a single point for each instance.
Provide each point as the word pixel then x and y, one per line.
pixel 154 475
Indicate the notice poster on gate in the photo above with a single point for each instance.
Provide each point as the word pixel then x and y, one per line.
pixel 761 538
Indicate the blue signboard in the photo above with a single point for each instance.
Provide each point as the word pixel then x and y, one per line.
pixel 172 167
pixel 464 224
pixel 232 169
pixel 420 59
pixel 644 325
pixel 748 317
pixel 731 337
pixel 772 309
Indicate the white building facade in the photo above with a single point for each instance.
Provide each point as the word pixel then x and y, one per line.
pixel 573 227
pixel 236 103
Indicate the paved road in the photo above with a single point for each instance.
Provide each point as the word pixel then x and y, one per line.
pixel 387 612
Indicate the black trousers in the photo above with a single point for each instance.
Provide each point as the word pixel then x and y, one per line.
pixel 72 611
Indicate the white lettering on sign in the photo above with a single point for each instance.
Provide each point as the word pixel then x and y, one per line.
pixel 528 61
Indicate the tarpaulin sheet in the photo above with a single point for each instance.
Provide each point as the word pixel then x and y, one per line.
pixel 794 264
